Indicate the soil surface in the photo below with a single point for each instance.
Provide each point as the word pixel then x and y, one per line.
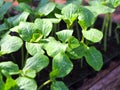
pixel 108 79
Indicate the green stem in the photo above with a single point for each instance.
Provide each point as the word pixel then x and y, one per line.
pixel 110 26
pixel 117 36
pixel 82 39
pixel 22 55
pixel 105 33
pixel 81 64
pixel 77 29
pixel 45 83
pixel 26 56
pixel 13 58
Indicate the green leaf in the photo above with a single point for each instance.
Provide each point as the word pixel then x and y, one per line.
pixel 46 9
pixel 2 85
pixel 93 35
pixel 11 84
pixel 23 7
pixel 10 44
pixel 86 18
pixel 22 17
pixel 1 2
pixel 42 3
pixel 64 35
pixel 26 30
pixel 70 13
pixel 58 85
pixel 45 26
pixel 34 48
pixel 53 20
pixel 62 64
pixel 76 51
pixel 4 8
pixel 113 3
pixel 54 47
pixel 9 67
pixel 25 83
pixel 94 58
pixel 3 27
pixel 100 9
pixel 37 63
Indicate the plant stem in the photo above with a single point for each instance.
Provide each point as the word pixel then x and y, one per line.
pixel 82 39
pixel 26 56
pixel 13 58
pixel 105 33
pixel 45 83
pixel 22 55
pixel 110 26
pixel 81 63
pixel 117 36
pixel 77 29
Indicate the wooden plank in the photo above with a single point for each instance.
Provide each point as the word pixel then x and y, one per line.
pixel 105 79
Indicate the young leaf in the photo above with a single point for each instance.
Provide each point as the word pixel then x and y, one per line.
pixel 53 20
pixel 26 30
pixel 45 26
pixel 86 18
pixel 62 63
pixel 64 35
pixel 9 67
pixel 54 47
pixel 23 7
pixel 70 13
pixel 10 44
pixel 93 35
pixel 94 58
pixel 76 51
pixel 46 9
pixel 2 85
pixel 37 63
pixel 42 3
pixel 58 85
pixel 22 17
pixel 1 2
pixel 11 84
pixel 4 8
pixel 100 9
pixel 25 83
pixel 34 48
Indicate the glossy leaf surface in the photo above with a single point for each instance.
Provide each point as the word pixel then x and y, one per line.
pixel 94 58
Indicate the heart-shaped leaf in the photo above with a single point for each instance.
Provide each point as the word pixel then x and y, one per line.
pixel 93 35
pixel 94 58
pixel 25 83
pixel 86 18
pixel 34 48
pixel 10 44
pixel 9 67
pixel 45 26
pixel 26 30
pixel 54 47
pixel 58 85
pixel 46 9
pixel 64 35
pixel 37 63
pixel 62 64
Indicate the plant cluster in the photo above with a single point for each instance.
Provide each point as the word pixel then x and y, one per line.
pixel 38 36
